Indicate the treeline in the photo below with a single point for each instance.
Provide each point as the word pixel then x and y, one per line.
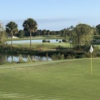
pixel 62 33
pixel 80 37
pixel 81 34
pixel 66 32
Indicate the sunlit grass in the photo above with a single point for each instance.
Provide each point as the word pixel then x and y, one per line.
pixel 43 46
pixel 54 80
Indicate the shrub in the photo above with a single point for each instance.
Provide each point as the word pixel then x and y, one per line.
pixel 57 56
pixel 47 56
pixel 56 39
pixel 28 58
pixel 44 40
pixel 20 59
pixel 64 40
pixel 48 41
pixel 70 57
pixel 60 41
pixel 62 56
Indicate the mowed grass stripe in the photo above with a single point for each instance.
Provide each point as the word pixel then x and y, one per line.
pixel 30 64
pixel 56 80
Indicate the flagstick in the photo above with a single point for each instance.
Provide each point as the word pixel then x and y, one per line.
pixel 91 64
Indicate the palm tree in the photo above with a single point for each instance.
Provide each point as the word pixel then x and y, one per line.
pixel 11 28
pixel 30 26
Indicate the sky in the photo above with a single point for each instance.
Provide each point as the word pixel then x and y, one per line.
pixel 51 14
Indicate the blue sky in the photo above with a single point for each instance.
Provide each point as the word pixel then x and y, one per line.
pixel 51 14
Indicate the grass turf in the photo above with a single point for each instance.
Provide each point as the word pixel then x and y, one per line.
pixel 55 80
pixel 44 45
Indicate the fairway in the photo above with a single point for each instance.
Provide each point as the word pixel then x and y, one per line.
pixel 54 80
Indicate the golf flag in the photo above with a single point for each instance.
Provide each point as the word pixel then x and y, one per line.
pixel 91 49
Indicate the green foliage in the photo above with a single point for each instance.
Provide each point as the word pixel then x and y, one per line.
pixel 57 56
pixel 20 34
pixel 47 56
pixel 20 59
pixel 96 37
pixel 11 29
pixel 2 35
pixel 2 59
pixel 46 40
pixel 30 26
pixel 98 29
pixel 28 58
pixel 64 40
pixel 82 35
pixel 70 56
pixel 96 40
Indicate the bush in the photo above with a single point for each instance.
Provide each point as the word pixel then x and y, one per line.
pixel 28 58
pixel 60 41
pixel 57 56
pixel 20 59
pixel 48 41
pixel 44 40
pixel 54 57
pixel 62 57
pixel 64 40
pixel 56 39
pixel 47 56
pixel 70 57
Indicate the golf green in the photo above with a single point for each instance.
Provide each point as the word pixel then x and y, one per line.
pixel 53 80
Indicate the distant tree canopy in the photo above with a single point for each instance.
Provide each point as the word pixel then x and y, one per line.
pixel 82 34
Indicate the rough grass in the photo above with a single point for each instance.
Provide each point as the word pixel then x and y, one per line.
pixel 55 80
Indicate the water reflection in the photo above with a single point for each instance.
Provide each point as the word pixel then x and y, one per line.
pixel 15 58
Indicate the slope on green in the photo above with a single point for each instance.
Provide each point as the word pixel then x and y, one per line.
pixel 55 80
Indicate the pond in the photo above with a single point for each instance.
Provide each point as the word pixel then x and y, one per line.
pixel 33 41
pixel 25 58
pixel 15 58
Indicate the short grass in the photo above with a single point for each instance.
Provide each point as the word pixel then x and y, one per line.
pixel 43 46
pixel 54 80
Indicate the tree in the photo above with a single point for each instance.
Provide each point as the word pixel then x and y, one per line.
pixel 2 34
pixel 20 34
pixel 98 29
pixel 82 34
pixel 30 26
pixel 44 32
pixel 11 29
